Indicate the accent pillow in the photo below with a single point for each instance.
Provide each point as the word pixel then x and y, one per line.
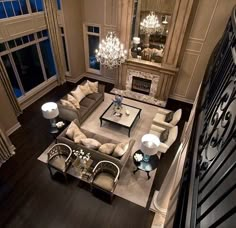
pixel 169 117
pixel 164 135
pixel 67 103
pixel 73 132
pixel 107 148
pixel 93 86
pixel 85 89
pixel 78 94
pixel 120 150
pixel 72 100
pixel 91 143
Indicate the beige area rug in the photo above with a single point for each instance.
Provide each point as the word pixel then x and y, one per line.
pixel 135 188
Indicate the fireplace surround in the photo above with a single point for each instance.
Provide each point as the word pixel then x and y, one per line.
pixel 141 85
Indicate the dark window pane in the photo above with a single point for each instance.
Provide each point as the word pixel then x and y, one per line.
pixel 62 30
pixel 28 66
pixel 16 7
pixel 31 37
pixel 90 28
pixel 39 5
pixel 11 75
pixel 45 33
pixel 59 4
pixel 96 29
pixel 36 5
pixel 25 39
pixel 11 43
pixel 9 9
pixel 2 47
pixel 18 41
pixel 2 11
pixel 64 46
pixel 93 44
pixel 48 58
pixel 39 34
pixel 23 6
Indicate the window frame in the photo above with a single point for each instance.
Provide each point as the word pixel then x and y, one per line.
pixel 86 46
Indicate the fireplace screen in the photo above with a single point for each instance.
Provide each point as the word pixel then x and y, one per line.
pixel 141 85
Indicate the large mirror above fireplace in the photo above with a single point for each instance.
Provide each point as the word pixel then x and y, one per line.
pixel 150 28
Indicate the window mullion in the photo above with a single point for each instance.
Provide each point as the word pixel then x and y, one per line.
pixel 28 6
pixel 16 71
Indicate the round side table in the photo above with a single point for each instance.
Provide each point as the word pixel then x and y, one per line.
pixel 146 166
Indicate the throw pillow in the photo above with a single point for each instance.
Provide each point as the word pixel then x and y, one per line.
pixel 169 117
pixel 73 132
pixel 107 148
pixel 85 89
pixel 93 86
pixel 91 143
pixel 67 103
pixel 120 150
pixel 164 135
pixel 72 100
pixel 78 94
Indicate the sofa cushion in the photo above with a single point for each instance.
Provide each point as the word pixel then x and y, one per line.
pixel 78 94
pixel 93 86
pixel 107 148
pixel 91 143
pixel 67 103
pixel 120 150
pixel 104 181
pixel 72 100
pixel 95 96
pixel 85 89
pixel 169 117
pixel 73 132
pixel 164 136
pixel 87 102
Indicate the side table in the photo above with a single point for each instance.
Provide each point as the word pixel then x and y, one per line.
pixel 146 166
pixel 55 132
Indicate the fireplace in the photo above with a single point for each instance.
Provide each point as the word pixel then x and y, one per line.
pixel 141 85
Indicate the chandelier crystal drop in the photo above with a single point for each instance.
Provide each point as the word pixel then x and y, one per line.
pixel 150 24
pixel 111 52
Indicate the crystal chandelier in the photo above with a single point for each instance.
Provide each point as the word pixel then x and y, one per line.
pixel 111 52
pixel 150 24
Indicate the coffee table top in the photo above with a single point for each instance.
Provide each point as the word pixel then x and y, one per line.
pixel 124 120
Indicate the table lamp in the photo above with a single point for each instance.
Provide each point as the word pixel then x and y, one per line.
pixel 149 145
pixel 50 111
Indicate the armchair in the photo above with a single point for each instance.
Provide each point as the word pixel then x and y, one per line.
pixel 59 158
pixel 160 118
pixel 105 176
pixel 164 146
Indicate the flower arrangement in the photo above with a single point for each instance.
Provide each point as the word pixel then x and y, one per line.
pixel 138 157
pixel 81 155
pixel 118 101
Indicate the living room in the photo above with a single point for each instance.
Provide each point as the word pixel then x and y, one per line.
pixel 29 197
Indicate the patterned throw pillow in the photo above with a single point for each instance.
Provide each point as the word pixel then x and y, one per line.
pixel 78 94
pixel 169 117
pixel 73 132
pixel 67 103
pixel 85 89
pixel 91 143
pixel 164 136
pixel 107 148
pixel 120 150
pixel 93 86
pixel 72 100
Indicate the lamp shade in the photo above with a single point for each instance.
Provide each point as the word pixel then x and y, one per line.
pixel 50 110
pixel 150 144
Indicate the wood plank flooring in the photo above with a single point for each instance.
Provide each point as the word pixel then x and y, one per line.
pixel 30 198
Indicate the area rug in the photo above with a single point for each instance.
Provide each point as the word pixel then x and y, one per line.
pixel 133 187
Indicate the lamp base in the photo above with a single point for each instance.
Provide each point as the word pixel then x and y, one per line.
pixel 146 157
pixel 54 128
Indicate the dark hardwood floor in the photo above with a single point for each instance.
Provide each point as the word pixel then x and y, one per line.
pixel 30 198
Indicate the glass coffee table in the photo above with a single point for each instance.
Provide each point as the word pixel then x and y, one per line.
pixel 146 166
pixel 126 117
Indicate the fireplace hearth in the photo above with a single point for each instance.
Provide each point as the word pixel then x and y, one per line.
pixel 141 85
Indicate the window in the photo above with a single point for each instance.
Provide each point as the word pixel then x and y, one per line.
pixel 28 61
pixel 92 39
pixel 65 49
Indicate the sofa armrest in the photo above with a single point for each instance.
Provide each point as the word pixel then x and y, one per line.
pixel 125 157
pixel 68 113
pixel 162 124
pixel 101 88
pixel 157 128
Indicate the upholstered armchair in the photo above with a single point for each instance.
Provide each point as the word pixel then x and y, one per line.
pixel 59 158
pixel 170 137
pixel 105 176
pixel 166 118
